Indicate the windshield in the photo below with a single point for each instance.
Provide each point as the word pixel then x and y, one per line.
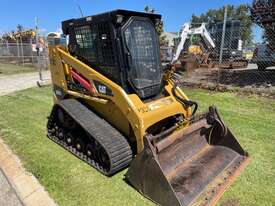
pixel 144 59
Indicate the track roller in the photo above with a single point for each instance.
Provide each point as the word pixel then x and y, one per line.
pixel 87 136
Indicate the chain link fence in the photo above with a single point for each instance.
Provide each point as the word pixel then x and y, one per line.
pixel 20 57
pixel 231 63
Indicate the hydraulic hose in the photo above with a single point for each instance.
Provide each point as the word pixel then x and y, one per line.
pixel 186 103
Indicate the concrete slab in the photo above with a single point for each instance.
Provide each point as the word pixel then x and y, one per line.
pixel 8 196
pixel 12 167
pixel 4 153
pixel 26 185
pixel 37 198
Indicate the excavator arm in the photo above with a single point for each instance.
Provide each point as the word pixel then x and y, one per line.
pixel 186 32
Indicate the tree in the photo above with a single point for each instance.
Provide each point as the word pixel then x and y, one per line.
pixel 240 12
pixel 263 14
pixel 147 9
pixel 19 28
pixel 159 27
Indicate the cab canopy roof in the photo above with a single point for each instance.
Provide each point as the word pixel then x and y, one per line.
pixel 116 17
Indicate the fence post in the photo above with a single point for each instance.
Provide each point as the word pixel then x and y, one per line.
pixel 222 41
pixel 31 51
pixel 8 48
pixel 223 34
pixel 18 52
pixel 38 49
pixel 22 51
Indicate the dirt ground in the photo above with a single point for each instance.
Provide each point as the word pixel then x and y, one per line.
pixel 248 79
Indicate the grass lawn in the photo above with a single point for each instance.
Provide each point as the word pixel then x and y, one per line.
pixel 73 183
pixel 14 69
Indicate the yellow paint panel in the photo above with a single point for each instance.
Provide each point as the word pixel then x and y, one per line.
pixel 127 112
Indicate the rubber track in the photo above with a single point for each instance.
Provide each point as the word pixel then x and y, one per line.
pixel 114 143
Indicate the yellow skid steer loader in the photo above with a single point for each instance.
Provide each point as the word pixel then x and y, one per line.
pixel 114 106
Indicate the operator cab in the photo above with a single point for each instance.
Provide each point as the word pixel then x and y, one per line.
pixel 122 45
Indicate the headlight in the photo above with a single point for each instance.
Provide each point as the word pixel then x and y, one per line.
pixel 119 19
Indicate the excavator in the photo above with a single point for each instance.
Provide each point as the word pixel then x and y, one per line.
pixel 115 106
pixel 186 32
pixel 198 49
pixel 194 48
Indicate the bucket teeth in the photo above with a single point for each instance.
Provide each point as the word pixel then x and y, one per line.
pixel 190 166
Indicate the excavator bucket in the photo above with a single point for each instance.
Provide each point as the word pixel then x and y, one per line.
pixel 191 166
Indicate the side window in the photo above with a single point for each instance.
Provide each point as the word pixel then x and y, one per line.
pixel 105 47
pixel 83 36
pixel 94 44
